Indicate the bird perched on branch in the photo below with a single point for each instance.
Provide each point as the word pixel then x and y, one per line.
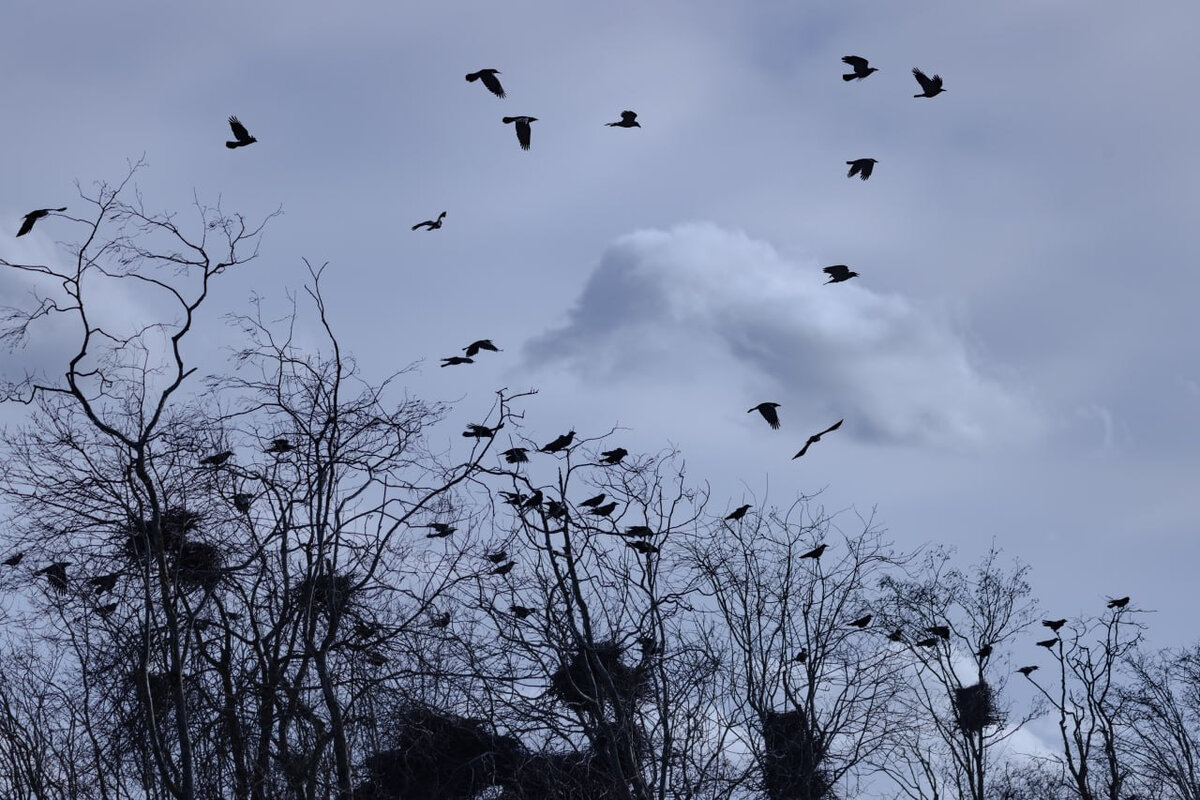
pixel 645 548
pixel 243 502
pixel 930 87
pixel 640 531
pixel 613 456
pixel 454 361
pixel 941 631
pixel 497 557
pixel 604 510
pixel 217 459
pixel 1120 602
pixel 240 133
pixel 34 216
pixel 431 224
pixel 13 560
pixel 520 612
pixel 592 502
pixel 474 347
pixel 534 500
pixel 862 167
pixel 523 131
pixel 768 413
pixel 279 446
pixel 861 622
pixel 984 651
pixel 474 431
pixel 1054 624
pixel 859 65
pixel 838 273
pixel 1027 670
pixel 555 509
pixel 516 455
pixel 816 437
pixel 628 120
pixel 440 530
pixel 896 636
pixel 738 512
pixel 815 553
pixel 1048 643
pixel 104 583
pixel 488 76
pixel 503 569
pixel 513 498
pixel 561 443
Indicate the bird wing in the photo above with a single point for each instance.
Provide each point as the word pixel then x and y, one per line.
pixel 804 449
pixel 924 80
pixel 832 427
pixel 423 224
pixel 771 416
pixel 856 62
pixel 838 271
pixel 523 132
pixel 239 130
pixel 27 225
pixel 628 116
pixel 492 83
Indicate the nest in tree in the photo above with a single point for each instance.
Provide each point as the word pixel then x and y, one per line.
pixel 199 564
pixel 168 533
pixel 583 682
pixel 974 707
pixel 330 592
pixel 792 756
pixel 551 776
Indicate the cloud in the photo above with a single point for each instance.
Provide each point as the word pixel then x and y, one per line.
pixel 697 302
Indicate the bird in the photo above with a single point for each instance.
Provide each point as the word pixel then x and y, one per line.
pixel 816 437
pixel 496 557
pixel 365 630
pixel 105 610
pixel 456 360
pixel 488 76
pixel 216 459
pixel 520 612
pixel 503 569
pixel 930 87
pixel 512 498
pixel 1027 670
pixel 279 446
pixel 862 167
pixel 431 224
pixel 859 65
pixel 838 273
pixel 645 548
pixel 440 621
pixel 896 636
pixel 516 455
pixel 930 642
pixel 801 657
pixel 768 413
pixel 240 133
pixel 1054 624
pixel 14 559
pixel 555 509
pixel 56 574
pixel 534 500
pixel 604 510
pixel 1120 602
pixel 375 659
pixel 641 531
pixel 34 216
pixel 984 651
pixel 592 502
pixel 613 456
pixel 243 501
pixel 628 120
pixel 561 443
pixel 738 512
pixel 1048 643
pixel 522 125
pixel 440 530
pixel 104 583
pixel 815 553
pixel 942 631
pixel 861 622
pixel 480 431
pixel 480 344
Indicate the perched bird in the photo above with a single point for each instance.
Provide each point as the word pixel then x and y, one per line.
pixel 555 509
pixel 375 659
pixel 1054 624
pixel 930 642
pixel 516 455
pixel 862 167
pixel 768 413
pixel 941 631
pixel 645 548
pixel 56 575
pixel 512 498
pixel 242 501
pixel 480 344
pixel 365 630
pixel 896 636
pixel 13 560
pixel 34 216
pixel 431 224
pixel 628 120
pixel 1027 670
pixel 613 456
pixel 105 610
pixel 817 437
pixel 455 361
pixel 739 512
pixel 815 553
pixel 641 531
pixel 984 651
pixel 440 621
pixel 217 459
pixel 104 583
pixel 488 76
pixel 592 502
pixel 861 622
pixel 534 500
pixel 1048 643
pixel 279 446
pixel 561 443
pixel 503 569
pixel 440 530
pixel 520 612
pixel 838 273
pixel 522 129
pixel 240 133
pixel 497 557
pixel 859 65
pixel 801 657
pixel 930 87
pixel 481 431
pixel 1120 602
pixel 604 510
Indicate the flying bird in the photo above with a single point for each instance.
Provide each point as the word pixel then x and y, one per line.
pixel 217 459
pixel 859 65
pixel 453 361
pixel 592 502
pixel 56 574
pixel 768 413
pixel 930 87
pixel 488 76
pixel 243 502
pixel 240 133
pixel 862 167
pixel 739 512
pixel 604 510
pixel 613 456
pixel 561 443
pixel 1054 624
pixel 279 446
pixel 104 583
pixel 645 548
pixel 522 129
pixel 481 431
pixel 861 622
pixel 480 344
pixel 503 569
pixel 516 455
pixel 13 560
pixel 431 224
pixel 815 553
pixel 838 273
pixel 628 120
pixel 440 530
pixel 930 642
pixel 1048 643
pixel 34 216
pixel 942 631
pixel 1120 602
pixel 1027 670
pixel 816 437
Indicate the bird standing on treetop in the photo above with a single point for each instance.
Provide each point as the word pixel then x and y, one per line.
pixel 930 87
pixel 474 347
pixel 488 76
pixel 431 224
pixel 1054 624
pixel 34 216
pixel 816 437
pixel 739 512
pixel 628 120
pixel 613 456
pixel 861 622
pixel 768 413
pixel 859 65
pixel 240 133
pixel 1026 670
pixel 561 443
pixel 522 124
pixel 862 167
pixel 838 273
pixel 815 553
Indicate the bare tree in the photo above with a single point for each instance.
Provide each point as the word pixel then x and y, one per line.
pixel 1162 736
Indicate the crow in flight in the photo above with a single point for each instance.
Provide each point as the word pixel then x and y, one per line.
pixel 1120 602
pixel 628 120
pixel 593 501
pixel 645 548
pixel 1048 643
pixel 440 530
pixel 1027 670
pixel 56 574
pixel 815 553
pixel 816 437
pixel 279 446
pixel 930 642
pixel 516 455
pixel 453 361
pixel 431 224
pixel 604 510
pixel 474 347
pixel 930 87
pixel 859 65
pixel 503 569
pixel 838 273
pixel 480 431
pixel 240 133
pixel 217 459
pixel 561 443
pixel 739 512
pixel 768 413
pixel 613 456
pixel 1054 624
pixel 13 560
pixel 522 129
pixel 942 631
pixel 104 583
pixel 488 76
pixel 861 622
pixel 862 167
pixel 34 216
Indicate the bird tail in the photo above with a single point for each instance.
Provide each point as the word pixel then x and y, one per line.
pixel 232 145
pixel 472 77
pixel 849 77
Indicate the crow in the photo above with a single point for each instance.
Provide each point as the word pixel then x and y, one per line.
pixel 497 557
pixel 105 610
pixel 1048 643
pixel 816 437
pixel 930 87
pixel 13 560
pixel 815 553
pixel 861 622
pixel 34 216
pixel 859 65
pixel 942 631
pixel 930 642
pixel 503 569
pixel 480 344
pixel 104 583
pixel 279 446
pixel 984 651
pixel 768 413
pixel 1054 624
pixel 242 501
pixel 896 636
pixel 555 509
pixel 488 76
pixel 645 548
pixel 838 273
pixel 640 531
pixel 440 530
pixel 455 360
pixel 240 133
pixel 440 621
pixel 520 612
pixel 613 456
pixel 739 512
pixel 593 501
pixel 604 510
pixel 512 498
pixel 522 129
pixel 480 431
pixel 561 443
pixel 431 224
pixel 862 167
pixel 56 574
pixel 516 455
pixel 801 657
pixel 1027 670
pixel 534 500
pixel 1120 602
pixel 628 120
pixel 217 459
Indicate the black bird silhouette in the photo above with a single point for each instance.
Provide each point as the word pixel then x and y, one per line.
pixel 488 76
pixel 641 531
pixel 105 610
pixel 503 569
pixel 365 630
pixel 375 659
pixel 628 120
pixel 942 631
pixel 455 361
pixel 930 642
pixel 1054 624
pixel 801 657
pixel 859 65
pixel 534 500
pixel 861 622
pixel 838 273
pixel 279 446
pixel 592 502
pixel 930 87
pixel 555 509
pixel 56 574
pixel 516 455
pixel 1027 670
pixel 1120 602
pixel 13 560
pixel 816 552
pixel 645 548
pixel 604 510
pixel 862 167
pixel 816 437
pixel 561 443
pixel 520 612
pixel 431 224
pixel 1048 643
pixel 104 583
pixel 243 502
pixel 217 459
pixel 240 133
pixel 512 498
pixel 984 651
pixel 440 530
pixel 496 557
pixel 896 636
pixel 613 456
pixel 440 621
pixel 480 344
pixel 768 413
pixel 739 512
pixel 481 431
pixel 34 216
pixel 522 129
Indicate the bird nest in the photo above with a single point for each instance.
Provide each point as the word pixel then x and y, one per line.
pixel 198 564
pixel 583 682
pixel 331 593
pixel 791 758
pixel 144 537
pixel 975 708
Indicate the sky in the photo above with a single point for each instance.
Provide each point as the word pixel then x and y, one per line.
pixel 1016 364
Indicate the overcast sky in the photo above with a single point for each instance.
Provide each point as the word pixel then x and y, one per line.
pixel 1017 362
